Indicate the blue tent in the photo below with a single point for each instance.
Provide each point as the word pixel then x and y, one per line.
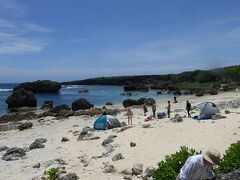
pixel 106 122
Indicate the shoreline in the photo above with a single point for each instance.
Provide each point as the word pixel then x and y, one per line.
pixel 152 144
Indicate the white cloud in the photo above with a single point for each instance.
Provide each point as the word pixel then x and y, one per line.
pixel 12 8
pixel 15 39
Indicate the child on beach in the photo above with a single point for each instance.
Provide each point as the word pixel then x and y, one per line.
pixel 188 108
pixel 144 109
pixel 130 115
pixel 154 110
pixel 168 109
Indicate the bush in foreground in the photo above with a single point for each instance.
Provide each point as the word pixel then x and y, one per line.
pixel 231 159
pixel 169 168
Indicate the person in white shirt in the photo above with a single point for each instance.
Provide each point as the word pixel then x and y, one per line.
pixel 199 167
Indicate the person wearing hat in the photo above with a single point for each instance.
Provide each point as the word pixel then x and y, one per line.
pixel 200 166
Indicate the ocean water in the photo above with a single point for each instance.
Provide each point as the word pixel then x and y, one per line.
pixel 98 95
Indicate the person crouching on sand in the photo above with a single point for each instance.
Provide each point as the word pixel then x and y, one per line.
pixel 130 115
pixel 200 166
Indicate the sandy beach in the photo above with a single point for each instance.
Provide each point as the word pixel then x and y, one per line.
pixel 85 158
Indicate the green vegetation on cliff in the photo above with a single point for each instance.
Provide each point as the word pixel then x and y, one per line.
pixel 190 78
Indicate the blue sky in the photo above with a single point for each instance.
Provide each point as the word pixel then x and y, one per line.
pixel 77 39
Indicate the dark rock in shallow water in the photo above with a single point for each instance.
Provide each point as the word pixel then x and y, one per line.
pixel 109 103
pixel 21 98
pixel 81 104
pixel 13 154
pixel 26 125
pixel 47 105
pixel 44 86
pixel 59 108
pixel 130 88
pixel 83 91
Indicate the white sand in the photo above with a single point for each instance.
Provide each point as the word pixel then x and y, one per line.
pixel 153 143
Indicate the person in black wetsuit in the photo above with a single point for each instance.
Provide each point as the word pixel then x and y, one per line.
pixel 188 108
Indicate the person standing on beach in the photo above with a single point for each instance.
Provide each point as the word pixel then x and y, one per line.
pixel 168 109
pixel 188 108
pixel 130 115
pixel 175 99
pixel 144 109
pixel 200 166
pixel 154 110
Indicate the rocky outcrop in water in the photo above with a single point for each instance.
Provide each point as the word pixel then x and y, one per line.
pixel 21 98
pixel 40 86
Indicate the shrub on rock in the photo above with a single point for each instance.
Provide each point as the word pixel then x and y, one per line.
pixel 231 158
pixel 170 167
pixel 40 86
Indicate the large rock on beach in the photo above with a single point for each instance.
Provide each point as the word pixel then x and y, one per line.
pixel 108 168
pixel 18 117
pixel 40 86
pixel 68 176
pixel 129 102
pixel 117 157
pixel 47 105
pixel 137 169
pixel 26 125
pixel 36 145
pixel 59 108
pixel 21 98
pixel 13 154
pixel 176 118
pixel 148 173
pixel 3 148
pixel 108 140
pixel 81 104
pixel 234 175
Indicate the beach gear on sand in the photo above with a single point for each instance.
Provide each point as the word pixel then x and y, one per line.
pixel 161 115
pixel 106 122
pixel 206 110
pixel 149 118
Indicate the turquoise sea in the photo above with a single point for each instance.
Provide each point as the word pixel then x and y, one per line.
pixel 98 95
